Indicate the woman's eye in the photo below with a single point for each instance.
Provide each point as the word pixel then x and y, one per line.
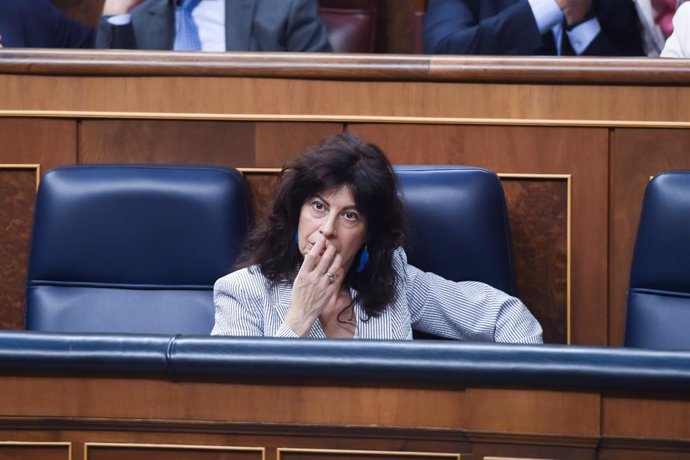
pixel 319 206
pixel 351 215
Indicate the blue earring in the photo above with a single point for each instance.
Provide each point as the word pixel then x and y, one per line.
pixel 363 260
pixel 296 238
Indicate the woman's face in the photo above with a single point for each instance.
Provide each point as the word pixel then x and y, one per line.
pixel 333 216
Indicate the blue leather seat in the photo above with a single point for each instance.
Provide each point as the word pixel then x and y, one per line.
pixel 659 292
pixel 457 224
pixel 133 249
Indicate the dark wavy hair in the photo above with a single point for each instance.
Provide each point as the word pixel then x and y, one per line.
pixel 340 160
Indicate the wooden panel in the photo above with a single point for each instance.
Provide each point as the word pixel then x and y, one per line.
pixel 534 411
pixel 261 187
pixel 538 215
pixel 109 397
pixel 646 418
pixel 637 155
pixel 34 451
pixel 581 153
pixel 278 142
pixel 343 101
pixel 30 144
pixel 169 452
pixel 532 452
pixel 47 142
pixel 17 199
pixel 314 454
pixel 155 141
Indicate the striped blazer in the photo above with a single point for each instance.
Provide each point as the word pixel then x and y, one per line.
pixel 246 305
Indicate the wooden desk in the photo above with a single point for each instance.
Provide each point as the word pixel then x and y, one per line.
pixel 575 141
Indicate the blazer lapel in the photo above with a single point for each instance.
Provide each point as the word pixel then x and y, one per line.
pixel 159 28
pixel 239 15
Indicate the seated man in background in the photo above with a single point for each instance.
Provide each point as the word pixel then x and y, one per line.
pixel 38 24
pixel 529 27
pixel 212 25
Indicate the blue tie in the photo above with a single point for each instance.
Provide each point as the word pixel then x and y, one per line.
pixel 186 31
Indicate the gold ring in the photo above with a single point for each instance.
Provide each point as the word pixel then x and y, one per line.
pixel 331 277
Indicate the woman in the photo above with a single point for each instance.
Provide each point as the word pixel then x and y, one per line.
pixel 328 262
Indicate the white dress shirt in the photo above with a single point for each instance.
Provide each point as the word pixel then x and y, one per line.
pixel 550 17
pixel 209 17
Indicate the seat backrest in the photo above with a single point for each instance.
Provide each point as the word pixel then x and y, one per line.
pixel 458 224
pixel 133 248
pixel 659 291
pixel 351 24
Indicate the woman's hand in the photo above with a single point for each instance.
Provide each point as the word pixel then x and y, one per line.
pixel 316 287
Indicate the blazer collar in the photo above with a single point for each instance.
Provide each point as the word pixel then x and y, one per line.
pixel 160 25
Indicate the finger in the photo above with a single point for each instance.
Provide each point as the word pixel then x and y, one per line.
pixel 313 256
pixel 326 260
pixel 335 269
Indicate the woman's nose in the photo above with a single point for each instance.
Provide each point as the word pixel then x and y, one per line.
pixel 328 227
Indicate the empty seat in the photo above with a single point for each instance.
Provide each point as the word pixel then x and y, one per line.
pixel 458 224
pixel 659 291
pixel 351 24
pixel 133 248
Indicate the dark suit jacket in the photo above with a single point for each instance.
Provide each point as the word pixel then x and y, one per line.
pixel 38 24
pixel 250 25
pixel 505 27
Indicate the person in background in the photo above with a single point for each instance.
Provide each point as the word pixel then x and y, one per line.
pixel 533 27
pixel 678 44
pixel 39 24
pixel 212 25
pixel 655 21
pixel 328 262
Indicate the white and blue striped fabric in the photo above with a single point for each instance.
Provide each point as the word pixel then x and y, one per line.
pixel 246 305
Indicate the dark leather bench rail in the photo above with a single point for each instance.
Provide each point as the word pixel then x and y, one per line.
pixel 417 363
pixel 84 353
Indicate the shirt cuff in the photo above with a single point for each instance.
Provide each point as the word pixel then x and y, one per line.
pixel 583 34
pixel 120 19
pixel 546 13
pixel 285 331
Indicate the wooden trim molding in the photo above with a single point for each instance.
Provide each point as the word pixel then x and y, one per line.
pixel 68 445
pixel 187 447
pixel 343 118
pixel 370 453
pixel 332 66
pixel 35 167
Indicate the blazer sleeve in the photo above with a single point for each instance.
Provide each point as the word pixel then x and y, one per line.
pixel 110 36
pixel 240 299
pixel 467 310
pixel 621 33
pixel 305 29
pixel 70 33
pixel 455 27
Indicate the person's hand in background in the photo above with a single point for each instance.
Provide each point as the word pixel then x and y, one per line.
pixel 575 10
pixel 115 7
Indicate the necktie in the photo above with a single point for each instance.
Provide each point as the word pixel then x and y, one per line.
pixel 186 31
pixel 566 47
